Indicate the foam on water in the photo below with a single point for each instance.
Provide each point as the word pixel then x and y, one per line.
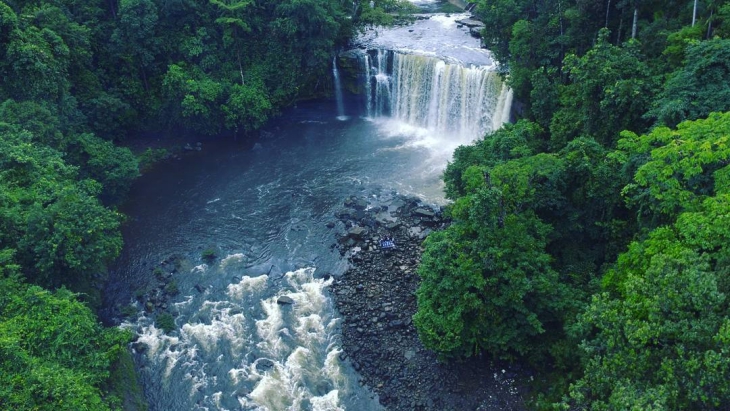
pixel 223 326
pixel 327 402
pixel 159 345
pixel 269 329
pixel 439 35
pixel 232 260
pixel 247 286
pixel 283 356
pixel 198 269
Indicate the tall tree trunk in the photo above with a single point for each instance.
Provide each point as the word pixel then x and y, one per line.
pixel 562 32
pixel 144 78
pixel 240 66
pixel 608 9
pixel 633 25
pixel 112 9
pixel 694 14
pixel 620 27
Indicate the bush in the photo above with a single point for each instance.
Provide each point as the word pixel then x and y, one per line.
pixel 209 255
pixel 129 310
pixel 171 288
pixel 165 322
pixel 150 157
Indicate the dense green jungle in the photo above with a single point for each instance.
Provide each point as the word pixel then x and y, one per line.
pixel 589 239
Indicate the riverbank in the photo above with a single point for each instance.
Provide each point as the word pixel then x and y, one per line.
pixel 376 299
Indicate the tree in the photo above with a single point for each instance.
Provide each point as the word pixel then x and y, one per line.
pixel 486 282
pixel 54 355
pixel 657 337
pixel 40 205
pixel 114 167
pixel 234 27
pixel 609 86
pixel 680 167
pixel 701 86
pixel 41 59
pixel 194 98
pixel 662 341
pixel 135 38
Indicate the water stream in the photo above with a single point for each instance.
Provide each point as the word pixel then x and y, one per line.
pixel 267 212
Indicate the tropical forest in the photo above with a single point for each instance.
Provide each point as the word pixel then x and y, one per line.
pixel 577 233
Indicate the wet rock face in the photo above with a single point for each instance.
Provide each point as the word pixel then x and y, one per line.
pixel 376 298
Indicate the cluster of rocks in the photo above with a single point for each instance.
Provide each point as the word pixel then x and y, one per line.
pixel 376 298
pixel 475 27
pixel 155 299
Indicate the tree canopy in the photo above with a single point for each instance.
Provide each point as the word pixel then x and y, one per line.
pixel 596 224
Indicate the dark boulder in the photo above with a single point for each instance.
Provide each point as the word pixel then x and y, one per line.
pixel 423 212
pixel 285 300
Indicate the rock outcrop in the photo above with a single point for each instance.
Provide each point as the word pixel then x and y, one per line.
pixel 376 298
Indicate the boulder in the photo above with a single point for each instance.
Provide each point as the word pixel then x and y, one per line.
pixel 264 364
pixel 357 232
pixel 423 212
pixel 139 347
pixel 471 23
pixel 285 300
pixel 356 203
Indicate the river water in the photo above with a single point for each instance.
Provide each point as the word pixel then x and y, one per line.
pixel 266 211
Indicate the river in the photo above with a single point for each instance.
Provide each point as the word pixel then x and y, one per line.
pixel 268 212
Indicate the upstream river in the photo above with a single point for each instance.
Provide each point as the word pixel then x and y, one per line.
pixel 269 214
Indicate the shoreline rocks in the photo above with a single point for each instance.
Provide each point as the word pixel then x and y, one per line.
pixel 376 299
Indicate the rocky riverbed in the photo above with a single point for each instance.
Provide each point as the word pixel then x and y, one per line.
pixel 376 298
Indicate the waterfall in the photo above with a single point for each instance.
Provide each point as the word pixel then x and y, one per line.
pixel 447 98
pixel 338 91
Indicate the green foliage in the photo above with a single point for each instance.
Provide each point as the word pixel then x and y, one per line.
pixel 487 281
pixel 700 86
pixel 511 141
pixel 40 205
pixel 114 167
pixel 43 125
pixel 166 322
pixel 382 12
pixel 247 107
pixel 129 311
pixel 41 58
pixel 159 273
pixel 581 223
pixel 171 288
pixel 681 167
pixel 55 356
pixel 609 87
pixel 209 255
pixel 662 340
pixel 123 384
pixel 150 157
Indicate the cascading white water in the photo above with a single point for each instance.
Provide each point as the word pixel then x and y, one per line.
pixel 426 92
pixel 235 347
pixel 338 91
